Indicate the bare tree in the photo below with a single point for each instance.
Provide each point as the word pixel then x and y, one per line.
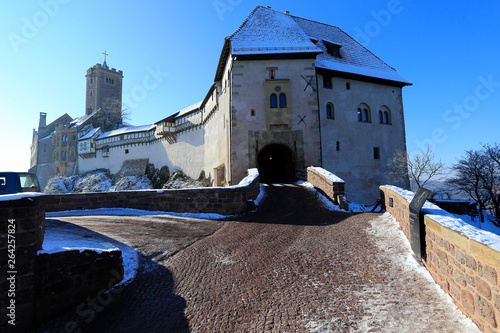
pixel 419 169
pixel 492 176
pixel 469 178
pixel 398 169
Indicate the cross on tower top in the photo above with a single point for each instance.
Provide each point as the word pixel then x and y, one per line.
pixel 105 54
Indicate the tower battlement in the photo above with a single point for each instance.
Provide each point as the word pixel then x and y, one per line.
pixel 102 68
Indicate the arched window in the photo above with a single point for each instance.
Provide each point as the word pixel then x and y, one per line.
pixel 364 113
pixel 91 93
pixel 329 111
pixel 384 115
pixel 282 100
pixel 274 101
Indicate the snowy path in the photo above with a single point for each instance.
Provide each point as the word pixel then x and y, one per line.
pixel 409 300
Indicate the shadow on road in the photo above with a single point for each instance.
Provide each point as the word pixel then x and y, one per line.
pixel 292 204
pixel 148 303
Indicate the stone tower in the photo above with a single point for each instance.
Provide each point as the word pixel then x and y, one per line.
pixel 104 86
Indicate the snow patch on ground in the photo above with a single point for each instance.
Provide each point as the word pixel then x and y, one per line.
pixel 390 306
pixel 59 238
pixel 133 212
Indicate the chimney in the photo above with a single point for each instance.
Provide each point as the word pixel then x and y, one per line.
pixel 287 12
pixel 43 120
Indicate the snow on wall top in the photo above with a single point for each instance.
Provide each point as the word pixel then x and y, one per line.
pixel 448 220
pixel 126 130
pixel 328 175
pixel 252 175
pixel 17 196
pixel 267 31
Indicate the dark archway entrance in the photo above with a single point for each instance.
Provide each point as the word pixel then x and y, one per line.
pixel 276 164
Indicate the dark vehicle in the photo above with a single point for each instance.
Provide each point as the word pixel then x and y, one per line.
pixel 15 182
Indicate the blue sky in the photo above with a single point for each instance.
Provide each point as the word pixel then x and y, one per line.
pixel 449 50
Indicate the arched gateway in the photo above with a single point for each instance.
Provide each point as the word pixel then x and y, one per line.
pixel 276 163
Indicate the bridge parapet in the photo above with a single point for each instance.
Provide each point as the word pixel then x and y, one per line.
pixel 462 259
pixel 327 183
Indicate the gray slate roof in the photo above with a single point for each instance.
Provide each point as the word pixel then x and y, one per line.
pixel 267 31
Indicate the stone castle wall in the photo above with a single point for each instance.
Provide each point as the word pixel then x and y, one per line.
pixel 65 279
pixel 22 224
pixel 218 200
pixel 466 269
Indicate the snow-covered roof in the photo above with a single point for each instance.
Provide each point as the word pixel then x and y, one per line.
pixel 189 109
pixel 47 137
pixel 90 134
pixel 81 120
pixel 267 31
pixel 181 113
pixel 126 130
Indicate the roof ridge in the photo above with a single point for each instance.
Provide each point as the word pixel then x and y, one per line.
pixel 244 22
pixel 306 19
pixel 334 26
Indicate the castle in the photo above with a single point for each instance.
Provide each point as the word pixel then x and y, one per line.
pixel 288 93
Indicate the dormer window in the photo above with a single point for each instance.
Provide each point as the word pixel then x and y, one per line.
pixel 333 48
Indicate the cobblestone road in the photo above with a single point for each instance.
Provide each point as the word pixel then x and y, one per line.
pixel 291 266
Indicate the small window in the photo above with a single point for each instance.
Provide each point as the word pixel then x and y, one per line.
pixel 384 115
pixel 252 112
pixel 348 86
pixel 282 100
pixel 126 151
pixel 333 49
pixel 329 111
pixel 274 101
pixel 376 153
pixel 90 93
pixel 327 82
pixel 272 74
pixel 364 113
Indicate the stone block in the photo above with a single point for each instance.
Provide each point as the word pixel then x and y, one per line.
pixel 483 288
pixel 470 262
pixel 467 301
pixel 459 277
pixel 490 274
pixel 485 311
